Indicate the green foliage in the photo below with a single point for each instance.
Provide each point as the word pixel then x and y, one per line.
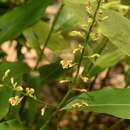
pixel 117 33
pixel 5 94
pixel 105 61
pixel 114 101
pixel 12 125
pixel 50 72
pixel 15 21
pixel 60 51
pixel 37 34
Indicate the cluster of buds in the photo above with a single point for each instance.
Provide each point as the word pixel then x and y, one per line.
pixel 81 104
pixel 67 64
pixel 15 100
pixel 15 87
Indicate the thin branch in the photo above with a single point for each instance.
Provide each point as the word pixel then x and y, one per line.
pixel 49 35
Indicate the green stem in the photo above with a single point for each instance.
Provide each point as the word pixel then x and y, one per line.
pixel 49 34
pixel 43 102
pixel 77 73
pixel 38 100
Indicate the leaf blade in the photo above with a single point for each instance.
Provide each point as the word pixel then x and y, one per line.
pixel 113 101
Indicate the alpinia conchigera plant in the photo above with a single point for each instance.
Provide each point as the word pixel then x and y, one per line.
pixel 64 64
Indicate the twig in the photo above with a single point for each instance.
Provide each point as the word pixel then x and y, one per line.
pixel 105 78
pixel 39 101
pixel 49 35
pixel 90 87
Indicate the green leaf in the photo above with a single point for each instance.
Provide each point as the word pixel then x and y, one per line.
pixel 5 94
pixel 12 125
pixel 50 72
pixel 116 28
pixel 113 101
pixel 72 15
pixel 15 21
pixel 105 61
pixel 125 2
pixel 33 81
pixel 17 68
pixel 37 35
pixel 77 1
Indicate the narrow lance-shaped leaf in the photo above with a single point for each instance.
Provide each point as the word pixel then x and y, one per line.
pixel 113 101
pixel 105 61
pixel 15 21
pixel 78 1
pixel 5 94
pixel 116 28
pixel 72 15
pixel 50 72
pixel 37 35
pixel 17 69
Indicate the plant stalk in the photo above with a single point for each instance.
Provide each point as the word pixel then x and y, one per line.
pixel 49 34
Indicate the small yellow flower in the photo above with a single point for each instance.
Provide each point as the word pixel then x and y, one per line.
pixel 100 12
pixel 12 80
pixel 89 8
pixel 30 92
pixel 85 79
pixel 81 104
pixel 84 103
pixel 15 100
pixel 66 64
pixel 43 111
pixel 76 105
pixel 64 81
pixel 18 88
